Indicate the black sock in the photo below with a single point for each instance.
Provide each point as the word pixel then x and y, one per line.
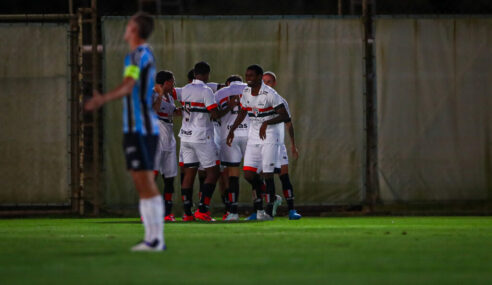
pixel 201 179
pixel 270 195
pixel 208 191
pixel 233 193
pixel 288 190
pixel 257 184
pixel 225 200
pixel 182 175
pixel 186 194
pixel 168 194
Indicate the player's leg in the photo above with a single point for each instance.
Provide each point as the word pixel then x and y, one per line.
pixel 269 153
pixel 169 172
pixel 288 192
pixel 140 156
pixel 231 157
pixel 224 190
pixel 252 161
pixel 190 165
pixel 208 157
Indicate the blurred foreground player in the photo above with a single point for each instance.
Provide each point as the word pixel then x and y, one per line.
pixel 266 111
pixel 282 167
pixel 140 127
pixel 166 161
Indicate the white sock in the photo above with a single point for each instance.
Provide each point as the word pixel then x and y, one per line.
pixel 152 211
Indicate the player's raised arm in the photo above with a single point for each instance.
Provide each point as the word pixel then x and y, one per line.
pixel 99 99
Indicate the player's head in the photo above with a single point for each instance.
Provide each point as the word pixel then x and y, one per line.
pixel 139 27
pixel 165 79
pixel 191 75
pixel 233 78
pixel 202 71
pixel 270 79
pixel 254 75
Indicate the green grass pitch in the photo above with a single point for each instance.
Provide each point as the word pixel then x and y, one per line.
pixel 365 250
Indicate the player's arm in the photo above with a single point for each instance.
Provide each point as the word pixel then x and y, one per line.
pixel 282 117
pixel 230 106
pixel 290 127
pixel 99 99
pixel 210 104
pixel 239 119
pixel 158 99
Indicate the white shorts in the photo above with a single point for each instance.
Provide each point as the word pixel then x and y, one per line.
pixel 231 156
pixel 283 158
pixel 165 163
pixel 199 154
pixel 261 157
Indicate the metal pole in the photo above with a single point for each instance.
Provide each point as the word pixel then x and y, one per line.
pixel 372 183
pixel 95 114
pixel 80 114
pixel 74 111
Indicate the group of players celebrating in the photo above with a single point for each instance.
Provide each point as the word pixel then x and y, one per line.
pixel 220 127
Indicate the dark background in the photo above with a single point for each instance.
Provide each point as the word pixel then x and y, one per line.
pixel 254 7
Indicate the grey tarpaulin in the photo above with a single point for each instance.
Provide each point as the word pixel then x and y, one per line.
pixel 319 64
pixel 434 109
pixel 34 164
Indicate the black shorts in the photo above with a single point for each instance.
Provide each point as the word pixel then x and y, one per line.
pixel 140 151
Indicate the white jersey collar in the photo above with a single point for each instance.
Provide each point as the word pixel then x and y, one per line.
pixel 197 81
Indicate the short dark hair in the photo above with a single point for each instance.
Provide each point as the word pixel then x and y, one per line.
pixel 191 75
pixel 233 78
pixel 256 68
pixel 145 24
pixel 163 76
pixel 202 68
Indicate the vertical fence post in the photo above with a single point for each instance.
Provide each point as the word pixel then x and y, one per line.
pixel 372 184
pixel 95 114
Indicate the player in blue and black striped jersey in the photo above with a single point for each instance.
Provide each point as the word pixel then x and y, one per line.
pixel 140 127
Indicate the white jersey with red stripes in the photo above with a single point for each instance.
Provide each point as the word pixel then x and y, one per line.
pixel 261 108
pixel 165 116
pixel 224 95
pixel 197 100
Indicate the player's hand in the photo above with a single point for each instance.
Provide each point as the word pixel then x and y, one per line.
pixel 158 89
pixel 295 152
pixel 230 138
pixel 95 102
pixel 233 102
pixel 263 130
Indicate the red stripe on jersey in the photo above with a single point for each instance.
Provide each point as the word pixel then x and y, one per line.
pixel 249 168
pixel 195 104
pixel 213 106
pixel 175 94
pixel 223 100
pixel 243 108
pixel 162 114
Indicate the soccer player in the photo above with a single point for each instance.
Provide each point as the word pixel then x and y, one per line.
pixel 197 141
pixel 166 162
pixel 140 127
pixel 231 156
pixel 266 111
pixel 270 79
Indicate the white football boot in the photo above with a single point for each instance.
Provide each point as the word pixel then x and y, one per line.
pixel 261 215
pixel 156 245
pixel 232 217
pixel 278 202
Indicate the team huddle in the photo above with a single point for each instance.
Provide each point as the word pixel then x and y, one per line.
pixel 222 126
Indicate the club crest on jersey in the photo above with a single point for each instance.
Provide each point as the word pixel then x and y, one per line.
pixel 256 111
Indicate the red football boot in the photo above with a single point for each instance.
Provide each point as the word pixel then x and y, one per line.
pixel 203 216
pixel 224 217
pixel 170 218
pixel 187 218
